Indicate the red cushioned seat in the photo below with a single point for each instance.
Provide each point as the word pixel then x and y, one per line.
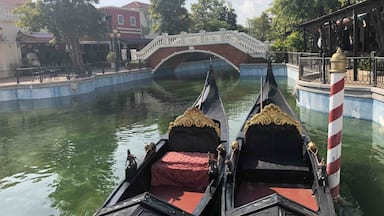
pixel 181 169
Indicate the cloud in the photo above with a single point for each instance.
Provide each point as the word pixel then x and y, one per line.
pixel 249 9
pixel 244 8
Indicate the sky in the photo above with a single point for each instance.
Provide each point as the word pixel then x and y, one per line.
pixel 243 8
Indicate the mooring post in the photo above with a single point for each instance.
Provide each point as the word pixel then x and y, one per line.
pixel 335 121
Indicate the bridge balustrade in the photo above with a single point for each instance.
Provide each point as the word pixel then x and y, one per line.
pixel 241 41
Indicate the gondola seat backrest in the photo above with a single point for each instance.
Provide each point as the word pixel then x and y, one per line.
pixel 272 135
pixel 194 132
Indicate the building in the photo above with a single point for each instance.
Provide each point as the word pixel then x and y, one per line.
pixel 145 19
pixel 37 50
pixel 16 46
pixel 10 54
pixel 127 22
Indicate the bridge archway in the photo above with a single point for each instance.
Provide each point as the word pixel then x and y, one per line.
pixel 183 52
pixel 231 46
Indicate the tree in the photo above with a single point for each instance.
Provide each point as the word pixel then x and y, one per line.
pixel 295 41
pixel 345 3
pixel 287 14
pixel 212 15
pixel 260 27
pixel 67 20
pixel 169 16
pixel 227 14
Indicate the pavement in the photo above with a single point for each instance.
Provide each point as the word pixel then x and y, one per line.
pixel 35 80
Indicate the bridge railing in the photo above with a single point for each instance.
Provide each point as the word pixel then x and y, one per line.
pixel 242 41
pixel 249 44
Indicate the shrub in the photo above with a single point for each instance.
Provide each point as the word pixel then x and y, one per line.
pixel 111 57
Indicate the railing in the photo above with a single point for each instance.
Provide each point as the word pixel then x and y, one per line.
pixel 378 68
pixel 360 70
pixel 63 73
pixel 290 57
pixel 242 41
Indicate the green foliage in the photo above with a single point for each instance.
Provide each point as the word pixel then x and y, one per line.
pixel 67 20
pixel 111 57
pixel 260 27
pixel 365 64
pixel 227 14
pixel 348 2
pixel 295 41
pixel 287 14
pixel 241 28
pixel 278 45
pixel 169 16
pixel 212 15
pixel 32 17
pixel 62 17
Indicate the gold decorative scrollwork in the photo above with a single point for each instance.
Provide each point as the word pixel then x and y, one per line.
pixel 194 117
pixel 272 114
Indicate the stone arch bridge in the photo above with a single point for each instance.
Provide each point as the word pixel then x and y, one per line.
pixel 232 46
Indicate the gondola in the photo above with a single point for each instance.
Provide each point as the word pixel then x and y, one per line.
pixel 182 173
pixel 274 168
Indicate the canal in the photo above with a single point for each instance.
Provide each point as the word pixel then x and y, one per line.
pixel 64 156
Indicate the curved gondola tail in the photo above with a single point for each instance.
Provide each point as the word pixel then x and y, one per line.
pixel 270 78
pixel 269 83
pixel 209 92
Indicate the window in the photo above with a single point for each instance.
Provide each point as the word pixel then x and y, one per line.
pixel 132 20
pixel 120 19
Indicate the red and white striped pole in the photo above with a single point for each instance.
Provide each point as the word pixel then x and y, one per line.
pixel 335 121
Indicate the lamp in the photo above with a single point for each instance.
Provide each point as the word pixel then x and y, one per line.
pixel 115 36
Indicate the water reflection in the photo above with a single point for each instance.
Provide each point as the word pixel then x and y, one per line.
pixel 362 170
pixel 64 156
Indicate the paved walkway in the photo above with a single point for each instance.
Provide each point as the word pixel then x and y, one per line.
pixel 34 80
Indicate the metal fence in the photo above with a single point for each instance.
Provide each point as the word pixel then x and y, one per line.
pixel 66 72
pixel 314 67
pixel 360 70
pixel 291 57
pixel 378 67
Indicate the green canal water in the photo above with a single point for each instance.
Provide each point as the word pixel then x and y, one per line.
pixel 64 156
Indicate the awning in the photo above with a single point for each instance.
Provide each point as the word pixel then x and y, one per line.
pixel 34 37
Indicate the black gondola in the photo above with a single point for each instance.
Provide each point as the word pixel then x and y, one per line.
pixel 182 173
pixel 273 167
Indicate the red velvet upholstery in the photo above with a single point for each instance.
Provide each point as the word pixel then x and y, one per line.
pixel 181 169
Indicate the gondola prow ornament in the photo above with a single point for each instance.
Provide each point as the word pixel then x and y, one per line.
pixel 131 165
pixel 335 121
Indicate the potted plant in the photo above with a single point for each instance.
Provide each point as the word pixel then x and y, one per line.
pixel 111 58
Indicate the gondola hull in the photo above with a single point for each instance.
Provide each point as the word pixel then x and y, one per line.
pixel 182 173
pixel 274 168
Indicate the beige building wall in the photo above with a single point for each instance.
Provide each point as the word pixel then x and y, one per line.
pixel 10 54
